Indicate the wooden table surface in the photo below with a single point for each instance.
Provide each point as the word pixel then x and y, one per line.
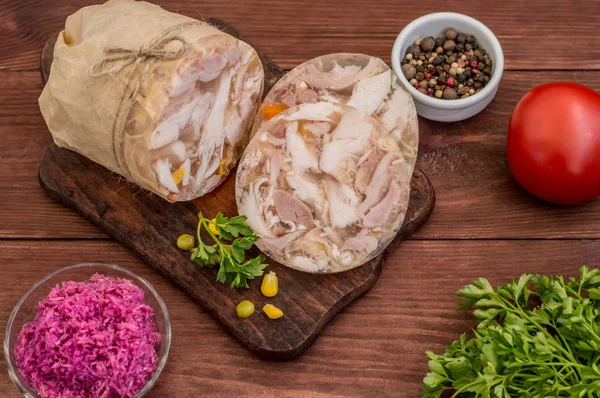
pixel 484 224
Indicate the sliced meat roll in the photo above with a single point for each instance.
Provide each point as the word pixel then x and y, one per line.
pixel 160 98
pixel 357 80
pixel 324 185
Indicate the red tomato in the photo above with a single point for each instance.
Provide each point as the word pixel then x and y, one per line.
pixel 553 144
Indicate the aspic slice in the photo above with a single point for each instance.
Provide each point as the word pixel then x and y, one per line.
pixel 324 185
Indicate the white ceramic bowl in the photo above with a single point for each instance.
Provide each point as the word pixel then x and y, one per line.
pixel 435 25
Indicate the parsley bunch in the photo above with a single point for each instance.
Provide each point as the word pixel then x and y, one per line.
pixel 230 257
pixel 537 337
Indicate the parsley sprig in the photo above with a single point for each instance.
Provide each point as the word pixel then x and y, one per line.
pixel 537 337
pixel 233 268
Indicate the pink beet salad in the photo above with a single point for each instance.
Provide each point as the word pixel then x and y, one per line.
pixel 95 338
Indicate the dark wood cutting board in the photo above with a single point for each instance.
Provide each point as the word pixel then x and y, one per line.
pixel 149 226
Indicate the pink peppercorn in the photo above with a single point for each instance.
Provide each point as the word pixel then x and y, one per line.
pixel 417 85
pixel 451 82
pixel 429 90
pixel 473 64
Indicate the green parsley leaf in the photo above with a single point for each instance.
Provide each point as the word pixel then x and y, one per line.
pixel 233 269
pixel 538 336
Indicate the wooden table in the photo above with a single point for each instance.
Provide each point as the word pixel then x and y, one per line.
pixel 484 224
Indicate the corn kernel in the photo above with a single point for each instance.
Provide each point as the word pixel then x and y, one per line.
pixel 272 311
pixel 272 110
pixel 212 226
pixel 222 169
pixel 178 175
pixel 270 285
pixel 304 132
pixel 244 309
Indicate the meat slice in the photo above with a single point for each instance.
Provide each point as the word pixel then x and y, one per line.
pixel 342 204
pixel 339 77
pixel 249 206
pixel 279 244
pixel 302 158
pixel 306 189
pixel 369 93
pixel 317 128
pixel 384 209
pixel 350 141
pixel 360 244
pixel 379 182
pixel 292 209
pixel 307 96
pixel 366 169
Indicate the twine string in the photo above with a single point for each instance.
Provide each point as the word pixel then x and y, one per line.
pixel 117 59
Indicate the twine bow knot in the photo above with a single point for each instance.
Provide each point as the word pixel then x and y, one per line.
pixel 118 58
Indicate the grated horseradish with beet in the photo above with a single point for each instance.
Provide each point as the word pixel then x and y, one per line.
pixel 95 338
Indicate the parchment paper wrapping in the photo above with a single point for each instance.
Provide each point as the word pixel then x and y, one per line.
pixel 108 111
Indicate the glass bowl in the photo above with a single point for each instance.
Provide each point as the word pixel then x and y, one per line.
pixel 26 309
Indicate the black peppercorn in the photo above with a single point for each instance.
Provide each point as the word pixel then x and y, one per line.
pixel 409 71
pixel 449 45
pixel 451 33
pixel 414 50
pixel 439 41
pixel 438 60
pixel 470 39
pixel 460 38
pixel 468 47
pixel 427 44
pixel 419 76
pixel 461 77
pixel 450 93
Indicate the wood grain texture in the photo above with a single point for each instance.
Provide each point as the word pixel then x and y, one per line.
pixel 465 162
pixel 532 35
pixel 150 226
pixel 374 347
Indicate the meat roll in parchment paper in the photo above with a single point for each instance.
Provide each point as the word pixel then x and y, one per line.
pixel 324 185
pixel 163 99
pixel 358 80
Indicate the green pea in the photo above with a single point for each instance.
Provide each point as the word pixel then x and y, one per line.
pixel 244 309
pixel 185 242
